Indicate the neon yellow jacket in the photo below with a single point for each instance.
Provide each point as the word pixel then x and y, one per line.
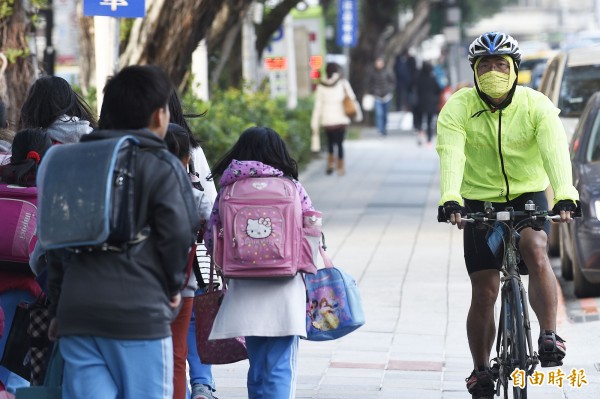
pixel 498 156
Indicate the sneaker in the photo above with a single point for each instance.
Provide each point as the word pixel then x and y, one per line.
pixel 201 391
pixel 551 349
pixel 480 384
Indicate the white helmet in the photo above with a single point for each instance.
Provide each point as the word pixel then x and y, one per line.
pixel 494 43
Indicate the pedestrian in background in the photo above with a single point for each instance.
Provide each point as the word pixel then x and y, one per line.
pixel 328 112
pixel 52 104
pixel 381 83
pixel 427 103
pixel 405 69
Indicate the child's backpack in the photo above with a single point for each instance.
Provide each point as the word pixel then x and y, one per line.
pixel 262 233
pixel 18 207
pixel 87 195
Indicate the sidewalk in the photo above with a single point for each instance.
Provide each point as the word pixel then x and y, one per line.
pixel 380 224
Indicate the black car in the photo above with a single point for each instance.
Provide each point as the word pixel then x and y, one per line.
pixel 580 240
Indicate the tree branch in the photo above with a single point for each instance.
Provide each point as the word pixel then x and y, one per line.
pixel 272 22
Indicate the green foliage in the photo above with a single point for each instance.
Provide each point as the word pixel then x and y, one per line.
pixel 13 53
pixel 232 111
pixel 6 8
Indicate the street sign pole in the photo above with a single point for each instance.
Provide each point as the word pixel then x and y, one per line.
pixel 347 28
pixel 106 15
pixel 106 43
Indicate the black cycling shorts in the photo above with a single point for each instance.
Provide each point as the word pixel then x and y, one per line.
pixel 478 255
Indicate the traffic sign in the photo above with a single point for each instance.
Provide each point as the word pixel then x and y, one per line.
pixel 347 23
pixel 115 8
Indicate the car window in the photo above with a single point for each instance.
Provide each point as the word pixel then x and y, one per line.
pixel 547 86
pixel 593 149
pixel 577 86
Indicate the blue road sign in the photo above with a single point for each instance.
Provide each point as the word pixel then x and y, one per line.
pixel 115 8
pixel 347 23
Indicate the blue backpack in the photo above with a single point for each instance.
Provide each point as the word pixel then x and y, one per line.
pixel 86 195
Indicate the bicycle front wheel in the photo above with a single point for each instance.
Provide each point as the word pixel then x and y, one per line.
pixel 517 344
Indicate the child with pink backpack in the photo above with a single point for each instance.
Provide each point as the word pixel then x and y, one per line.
pixel 262 246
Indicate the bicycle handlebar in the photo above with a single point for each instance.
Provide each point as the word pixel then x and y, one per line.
pixel 506 216
pixel 509 214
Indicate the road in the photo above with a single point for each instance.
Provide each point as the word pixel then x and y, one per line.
pixel 380 224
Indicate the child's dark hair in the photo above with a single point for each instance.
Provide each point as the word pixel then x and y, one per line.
pixel 28 149
pixel 177 141
pixel 49 98
pixel 260 144
pixel 178 117
pixel 132 96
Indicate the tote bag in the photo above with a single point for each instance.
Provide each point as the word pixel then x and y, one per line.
pixel 218 351
pixel 334 306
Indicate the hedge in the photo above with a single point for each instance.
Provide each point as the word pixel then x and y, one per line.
pixel 230 112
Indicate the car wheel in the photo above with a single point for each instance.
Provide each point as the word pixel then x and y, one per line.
pixel 566 266
pixel 554 240
pixel 582 287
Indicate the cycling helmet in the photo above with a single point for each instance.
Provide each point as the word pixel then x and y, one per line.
pixel 494 43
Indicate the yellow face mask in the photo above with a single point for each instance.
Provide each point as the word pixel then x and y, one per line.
pixel 495 83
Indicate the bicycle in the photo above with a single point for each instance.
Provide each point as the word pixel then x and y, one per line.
pixel 514 346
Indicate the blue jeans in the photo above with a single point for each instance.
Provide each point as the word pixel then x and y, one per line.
pixel 102 368
pixel 199 373
pixel 9 301
pixel 381 113
pixel 272 373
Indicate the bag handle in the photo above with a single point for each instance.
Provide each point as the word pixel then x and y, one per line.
pixel 322 248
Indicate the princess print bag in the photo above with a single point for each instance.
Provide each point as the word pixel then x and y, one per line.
pixel 334 306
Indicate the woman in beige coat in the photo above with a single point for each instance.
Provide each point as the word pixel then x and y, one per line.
pixel 328 112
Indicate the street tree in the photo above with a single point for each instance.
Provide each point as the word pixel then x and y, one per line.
pixel 20 70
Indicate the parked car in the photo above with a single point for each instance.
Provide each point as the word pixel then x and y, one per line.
pixel 579 240
pixel 569 80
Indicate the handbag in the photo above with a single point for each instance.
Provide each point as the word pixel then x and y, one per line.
pixel 334 306
pixel 39 324
pixel 206 307
pixel 16 351
pixel 349 105
pixel 368 102
pixel 51 389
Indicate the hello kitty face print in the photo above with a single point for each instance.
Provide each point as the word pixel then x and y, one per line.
pixel 260 228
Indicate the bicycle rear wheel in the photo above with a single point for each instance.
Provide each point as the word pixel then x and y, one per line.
pixel 517 345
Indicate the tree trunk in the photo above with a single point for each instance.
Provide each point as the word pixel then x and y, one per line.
pixel 87 53
pixel 375 22
pixel 169 34
pixel 377 39
pixel 224 41
pixel 20 72
pixel 415 32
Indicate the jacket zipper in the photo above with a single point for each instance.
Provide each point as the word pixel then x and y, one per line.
pixel 501 157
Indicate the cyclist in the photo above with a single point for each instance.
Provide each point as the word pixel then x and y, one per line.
pixel 503 143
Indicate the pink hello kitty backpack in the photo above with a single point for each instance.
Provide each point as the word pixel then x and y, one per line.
pixel 263 232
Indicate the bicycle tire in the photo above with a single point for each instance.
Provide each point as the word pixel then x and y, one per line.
pixel 517 347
